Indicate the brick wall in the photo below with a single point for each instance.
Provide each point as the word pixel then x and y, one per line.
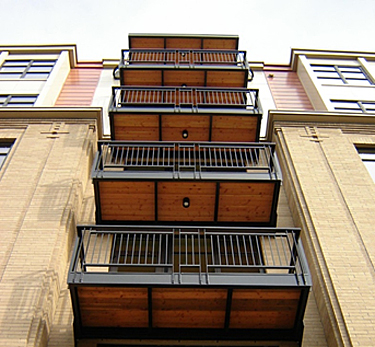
pixel 333 198
pixel 42 185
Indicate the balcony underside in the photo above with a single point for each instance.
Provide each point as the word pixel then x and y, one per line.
pixel 183 41
pixel 171 283
pixel 138 75
pixel 183 126
pixel 188 313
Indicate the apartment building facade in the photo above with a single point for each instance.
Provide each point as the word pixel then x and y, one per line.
pixel 176 207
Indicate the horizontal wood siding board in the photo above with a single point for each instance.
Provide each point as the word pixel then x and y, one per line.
pixel 188 307
pixel 79 87
pixel 287 91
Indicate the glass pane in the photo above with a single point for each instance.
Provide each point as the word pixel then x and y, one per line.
pixel 43 63
pixel 367 156
pixel 46 69
pixel 4 150
pixel 41 76
pixel 346 104
pixel 23 98
pixel 370 165
pixel 328 74
pixel 10 75
pixel 2 158
pixel 16 63
pixel 335 81
pixel 12 69
pixel 358 82
pixel 323 67
pixel 16 104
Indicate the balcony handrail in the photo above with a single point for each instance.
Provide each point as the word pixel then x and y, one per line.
pixel 137 157
pixel 181 97
pixel 184 57
pixel 205 251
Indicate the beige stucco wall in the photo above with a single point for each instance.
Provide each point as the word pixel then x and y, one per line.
pixel 332 197
pixel 42 185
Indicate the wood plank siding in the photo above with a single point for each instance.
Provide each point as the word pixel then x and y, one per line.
pixel 287 91
pixel 79 87
pixel 170 127
pixel 188 307
pixel 226 43
pixel 243 202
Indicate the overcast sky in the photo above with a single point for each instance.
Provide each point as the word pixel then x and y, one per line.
pixel 268 29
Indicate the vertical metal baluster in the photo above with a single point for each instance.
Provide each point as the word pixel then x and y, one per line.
pixel 258 250
pixel 119 249
pixel 232 250
pixel 271 251
pixel 252 249
pixel 225 250
pixel 245 250
pixel 285 253
pixel 93 249
pixel 239 249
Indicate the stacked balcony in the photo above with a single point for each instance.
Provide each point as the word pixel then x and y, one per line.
pixel 185 245
pixel 147 282
pixel 167 182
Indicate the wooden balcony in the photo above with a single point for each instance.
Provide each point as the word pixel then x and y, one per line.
pixel 184 67
pixel 222 183
pixel 185 114
pixel 171 41
pixel 134 282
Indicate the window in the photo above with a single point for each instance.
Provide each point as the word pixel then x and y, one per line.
pixel 368 157
pixel 18 100
pixel 5 146
pixel 341 74
pixel 26 69
pixel 354 106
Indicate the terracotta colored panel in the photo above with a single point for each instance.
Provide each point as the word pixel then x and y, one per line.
pixel 264 308
pixel 234 128
pixel 79 88
pixel 225 78
pixel 285 85
pixel 113 307
pixel 189 308
pixel 123 201
pixel 189 78
pixel 197 127
pixel 139 77
pixel 245 202
pixel 139 127
pixel 171 195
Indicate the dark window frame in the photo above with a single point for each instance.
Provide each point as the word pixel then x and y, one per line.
pixel 347 74
pixel 15 100
pixel 358 106
pixel 5 148
pixel 367 155
pixel 27 68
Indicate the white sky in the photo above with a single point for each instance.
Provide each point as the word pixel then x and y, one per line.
pixel 268 29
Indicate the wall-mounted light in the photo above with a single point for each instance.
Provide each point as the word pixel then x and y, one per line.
pixel 185 134
pixel 186 202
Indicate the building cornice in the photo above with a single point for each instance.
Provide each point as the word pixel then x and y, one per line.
pixel 53 113
pixel 314 117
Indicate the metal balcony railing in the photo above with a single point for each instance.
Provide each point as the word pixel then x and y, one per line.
pixel 173 159
pixel 177 98
pixel 184 58
pixel 180 254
